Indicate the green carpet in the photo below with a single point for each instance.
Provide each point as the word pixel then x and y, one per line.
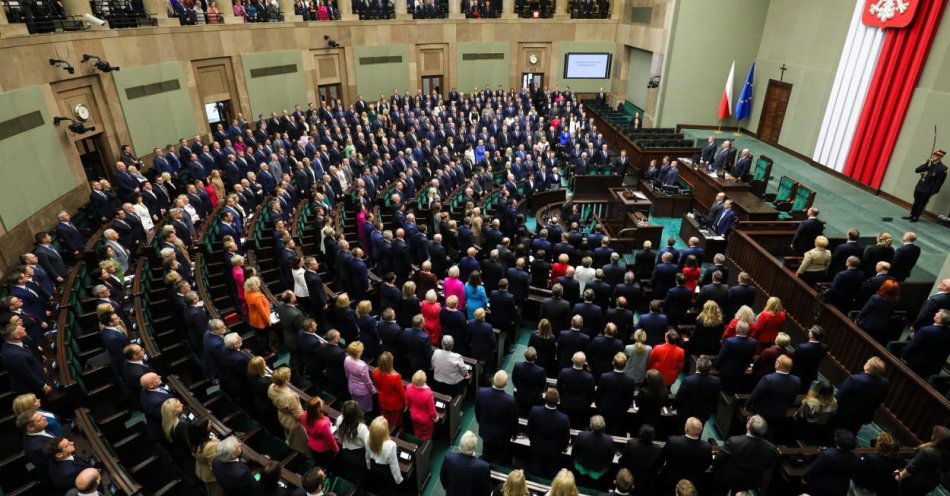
pixel 844 206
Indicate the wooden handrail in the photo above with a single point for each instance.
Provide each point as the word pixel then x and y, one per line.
pixel 117 473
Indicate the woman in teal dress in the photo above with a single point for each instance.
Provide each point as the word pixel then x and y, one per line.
pixel 475 295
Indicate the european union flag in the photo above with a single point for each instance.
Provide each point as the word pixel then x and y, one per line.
pixel 744 105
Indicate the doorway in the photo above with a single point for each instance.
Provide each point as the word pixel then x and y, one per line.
pixel 532 80
pixel 90 154
pixel 331 93
pixel 218 113
pixel 430 84
pixel 773 111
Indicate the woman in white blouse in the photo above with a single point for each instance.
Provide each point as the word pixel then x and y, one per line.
pixel 300 282
pixel 141 211
pixel 354 436
pixel 585 273
pixel 382 459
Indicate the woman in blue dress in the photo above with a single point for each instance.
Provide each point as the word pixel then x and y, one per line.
pixel 475 296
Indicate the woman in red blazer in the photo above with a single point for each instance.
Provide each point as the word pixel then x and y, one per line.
pixel 559 268
pixel 392 396
pixel 768 324
pixel 667 358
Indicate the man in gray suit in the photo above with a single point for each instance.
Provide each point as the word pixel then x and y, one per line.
pixel 724 157
pixel 121 254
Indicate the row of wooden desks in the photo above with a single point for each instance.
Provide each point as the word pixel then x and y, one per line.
pixel 705 187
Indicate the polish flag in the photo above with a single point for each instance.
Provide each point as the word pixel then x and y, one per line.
pixel 725 104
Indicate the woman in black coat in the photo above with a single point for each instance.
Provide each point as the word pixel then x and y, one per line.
pixel 544 342
pixel 345 319
pixel 875 317
pixel 642 458
pixel 929 467
pixel 409 305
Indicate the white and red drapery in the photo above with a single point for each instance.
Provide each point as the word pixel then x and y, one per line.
pixel 884 54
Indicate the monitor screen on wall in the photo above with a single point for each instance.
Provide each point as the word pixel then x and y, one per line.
pixel 587 65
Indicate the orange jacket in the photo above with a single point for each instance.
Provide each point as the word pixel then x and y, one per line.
pixel 258 309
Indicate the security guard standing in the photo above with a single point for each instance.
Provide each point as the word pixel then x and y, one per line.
pixel 932 175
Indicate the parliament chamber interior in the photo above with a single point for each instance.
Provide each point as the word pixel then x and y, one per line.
pixel 474 247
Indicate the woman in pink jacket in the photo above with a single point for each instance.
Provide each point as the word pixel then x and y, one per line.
pixel 453 286
pixel 421 406
pixel 358 380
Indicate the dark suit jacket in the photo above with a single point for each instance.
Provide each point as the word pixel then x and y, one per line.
pixel 24 370
pixel 859 396
pixel 233 372
pixel 593 451
pixel 905 257
pixel 414 345
pixel 806 360
pixel 925 316
pixel 151 402
pixel 830 474
pixel 497 415
pixel 211 346
pixel 840 255
pixel 735 355
pixel 235 478
pixel 698 396
pixel 502 304
pixel 69 237
pixel 664 278
pixel 677 302
pixel 614 394
pixel 518 283
pixel 558 312
pixel 774 395
pixel 51 261
pixel 804 238
pixel 716 292
pixel 530 382
pixel 845 288
pixel 655 325
pixel 569 342
pixel 62 474
pixel 576 388
pixel 131 373
pixel 465 475
pixel 742 461
pixel 928 350
pixel 740 294
pixel 481 341
pixel 549 431
pixel 593 318
pixel 196 322
pixel 685 458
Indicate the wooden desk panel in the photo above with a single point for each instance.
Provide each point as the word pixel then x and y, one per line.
pixel 705 188
pixel 665 205
pixel 750 207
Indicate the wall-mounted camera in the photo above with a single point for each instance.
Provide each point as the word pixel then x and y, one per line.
pixel 98 63
pixel 74 127
pixel 654 82
pixel 331 42
pixel 62 64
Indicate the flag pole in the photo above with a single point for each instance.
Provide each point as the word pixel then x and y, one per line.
pixel 719 129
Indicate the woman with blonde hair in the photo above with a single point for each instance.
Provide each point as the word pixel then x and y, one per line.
pixel 769 323
pixel 217 184
pixel 544 342
pixel 815 264
pixel 515 485
pixel 585 273
pixel 258 310
pixel 743 314
pixel 637 356
pixel 880 252
pixel 345 318
pixel 382 459
pixel 409 305
pixel 421 404
pixel 816 412
pixel 563 484
pixel 366 323
pixel 259 383
pixel 477 224
pixel 392 395
pixel 288 407
pixel 453 286
pixel 708 331
pixel 359 383
pixel 237 274
pixel 430 314
pixel 26 402
pixel 172 426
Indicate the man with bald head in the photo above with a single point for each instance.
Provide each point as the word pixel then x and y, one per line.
pixel 686 457
pixel 576 386
pixel 939 301
pixel 497 416
pixel 87 483
pixel 775 394
pixel 152 396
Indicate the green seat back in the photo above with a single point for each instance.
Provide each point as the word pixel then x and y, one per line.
pixel 785 187
pixel 802 197
pixel 761 168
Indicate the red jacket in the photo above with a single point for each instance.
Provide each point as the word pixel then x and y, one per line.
pixel 668 360
pixel 392 396
pixel 767 326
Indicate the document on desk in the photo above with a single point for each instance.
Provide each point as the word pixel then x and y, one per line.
pixel 639 195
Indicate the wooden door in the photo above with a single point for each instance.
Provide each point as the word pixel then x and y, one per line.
pixel 773 111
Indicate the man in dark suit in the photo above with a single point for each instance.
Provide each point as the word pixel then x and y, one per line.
pixel 741 294
pixel 291 321
pixel 808 230
pixel 549 432
pixel 615 395
pixel 614 271
pixel 775 394
pixel 741 169
pixel 928 350
pixel 734 356
pixel 716 291
pixel 35 436
pixel 846 285
pixel 530 381
pixel 151 398
pixel 743 461
pixel 234 476
pixel 698 394
pixel 808 356
pixel 592 314
pixel 678 301
pixel 332 357
pixel 571 341
pixel 576 387
pixel 25 371
pixel 518 281
pixel 861 394
pixel 727 218
pixel 497 416
pixel 49 258
pixel 438 256
pixel 503 312
pixel 233 368
pixel 196 321
pixel 709 151
pixel 312 483
pixel 654 323
pixel 905 257
pixel 309 350
pixel 462 473
pixel 63 464
pixel 831 471
pixel 664 275
pixel 572 287
pixel 401 260
pixel 939 301
pixel 69 236
pixel 114 340
pixel 841 253
pixel 555 309
pixel 932 176
pixel 317 296
pixel 686 457
pixel 415 346
pixel 482 343
pixel 133 368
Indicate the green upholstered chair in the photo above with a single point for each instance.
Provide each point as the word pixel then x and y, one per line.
pixel 785 192
pixel 761 175
pixel 803 200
